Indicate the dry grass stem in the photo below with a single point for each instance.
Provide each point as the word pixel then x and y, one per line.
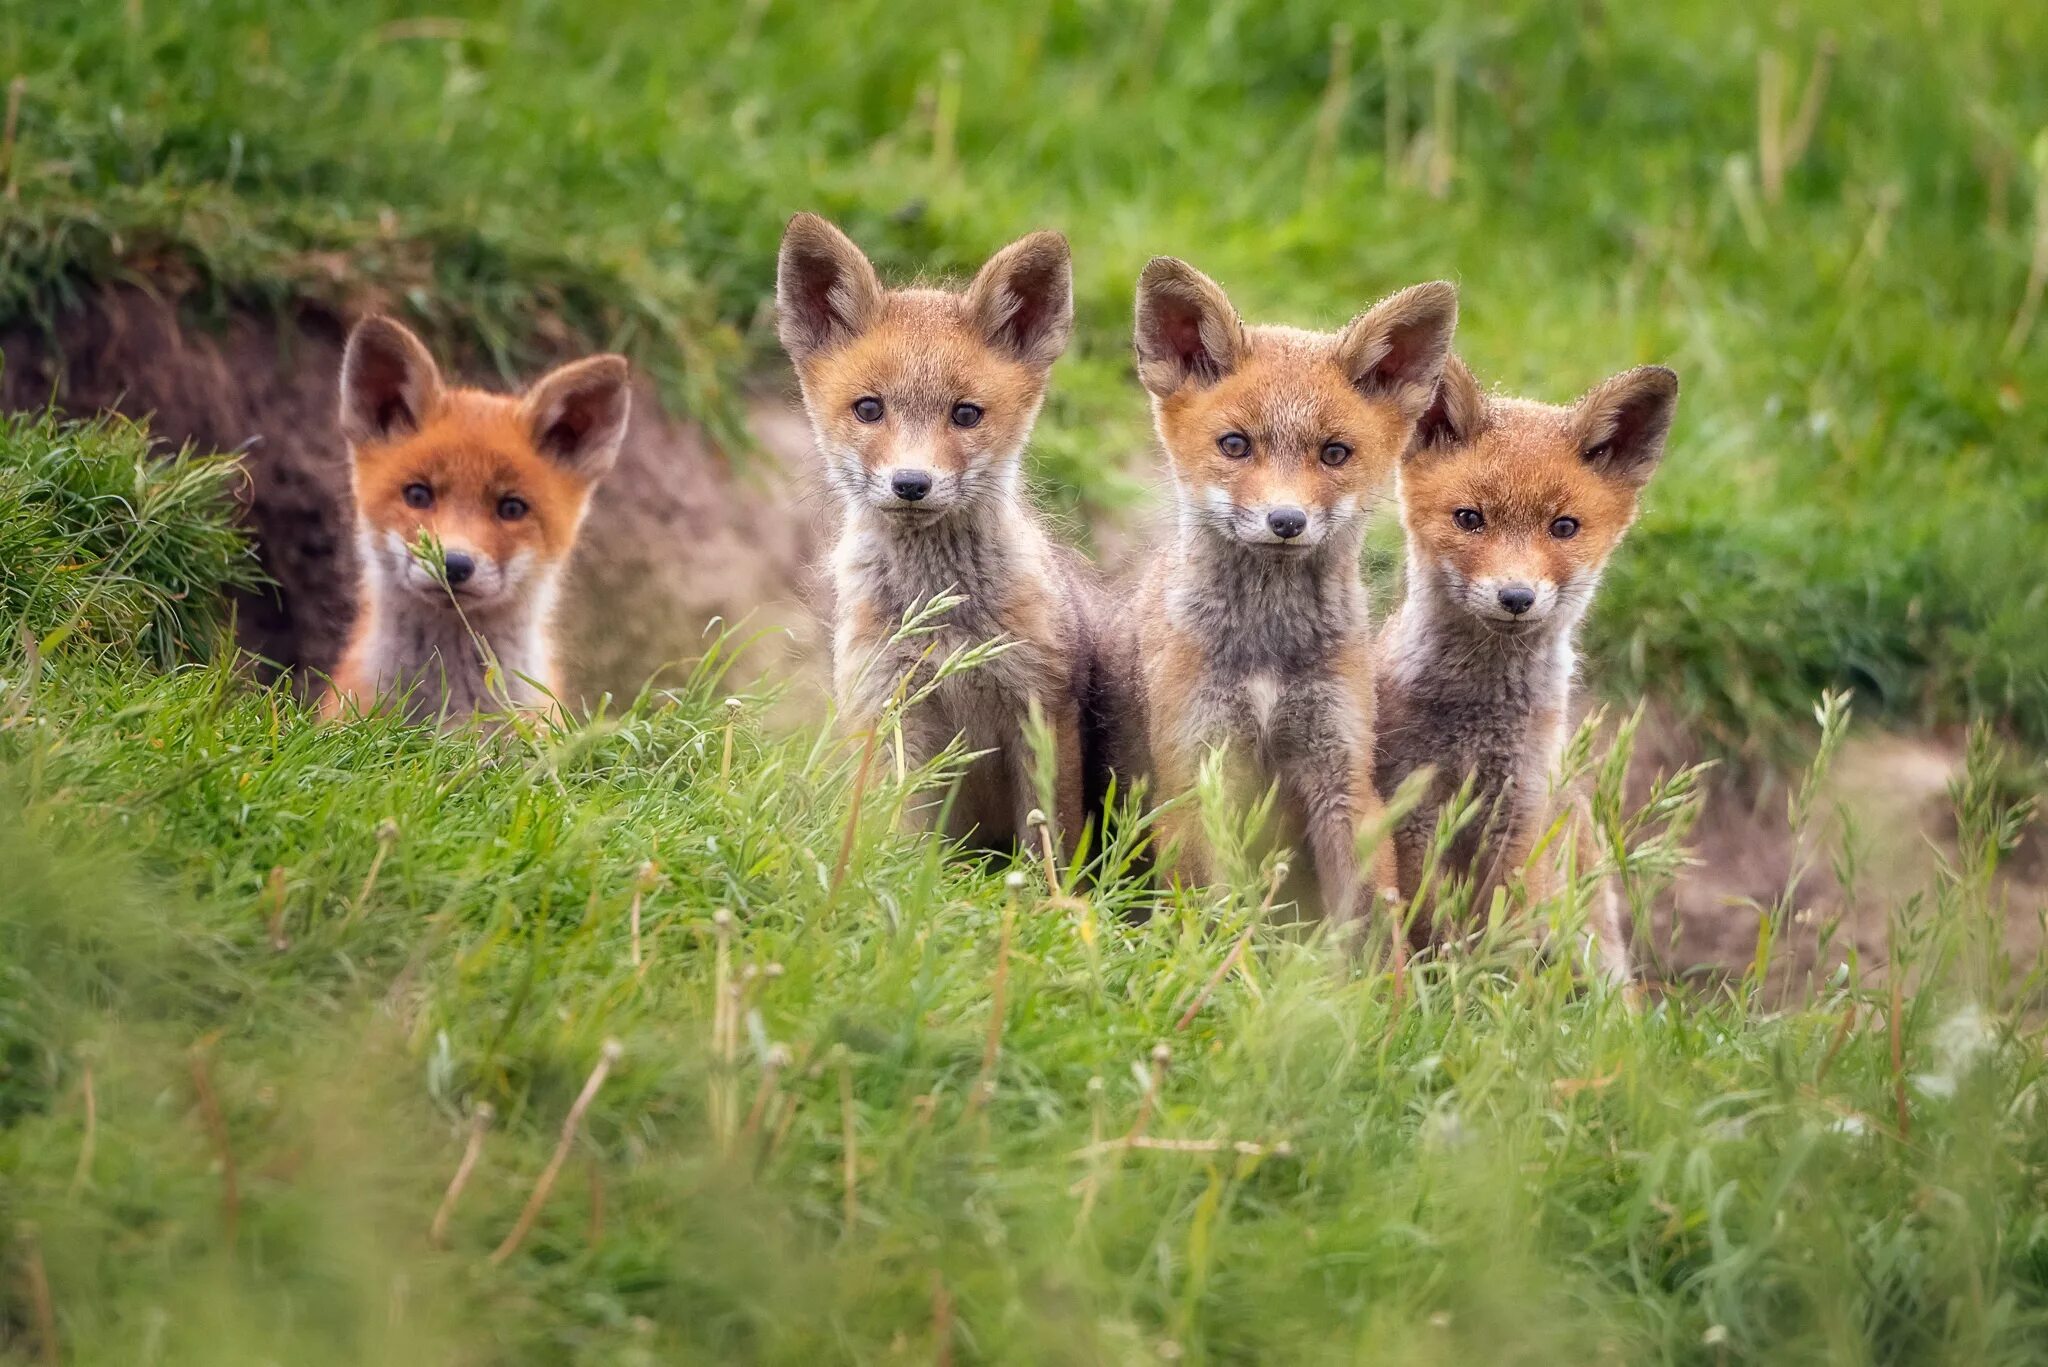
pixel 479 1124
pixel 541 1189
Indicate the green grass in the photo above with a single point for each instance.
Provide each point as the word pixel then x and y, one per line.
pixel 112 542
pixel 1852 498
pixel 259 976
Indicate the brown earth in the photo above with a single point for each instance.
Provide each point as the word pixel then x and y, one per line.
pixel 1885 800
pixel 678 535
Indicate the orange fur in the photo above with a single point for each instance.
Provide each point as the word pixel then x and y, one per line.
pixel 1251 630
pixel 1512 509
pixel 922 401
pixel 501 483
pixel 1521 471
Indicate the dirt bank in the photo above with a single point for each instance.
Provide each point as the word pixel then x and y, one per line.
pixel 678 535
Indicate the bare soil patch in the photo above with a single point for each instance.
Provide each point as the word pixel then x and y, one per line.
pixel 1886 800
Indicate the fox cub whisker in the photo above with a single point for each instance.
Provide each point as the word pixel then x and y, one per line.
pixel 467 507
pixel 1511 510
pixel 922 401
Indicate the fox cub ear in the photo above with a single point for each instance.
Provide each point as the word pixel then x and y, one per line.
pixel 1187 330
pixel 826 290
pixel 1023 299
pixel 389 382
pixel 577 413
pixel 1396 349
pixel 1622 422
pixel 1453 413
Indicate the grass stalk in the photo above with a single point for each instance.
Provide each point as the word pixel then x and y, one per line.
pixel 849 1151
pixel 89 1095
pixel 217 1133
pixel 1331 109
pixel 472 1149
pixel 42 1305
pixel 607 1056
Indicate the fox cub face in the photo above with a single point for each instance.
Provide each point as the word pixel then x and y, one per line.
pixel 1515 506
pixel 1278 437
pixel 500 482
pixel 921 398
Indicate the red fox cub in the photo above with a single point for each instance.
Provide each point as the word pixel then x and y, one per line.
pixel 1251 628
pixel 921 401
pixel 500 483
pixel 1512 509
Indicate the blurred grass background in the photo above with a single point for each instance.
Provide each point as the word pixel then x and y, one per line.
pixel 258 978
pixel 1825 216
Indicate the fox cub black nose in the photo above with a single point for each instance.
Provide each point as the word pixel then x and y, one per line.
pixel 1518 598
pixel 910 485
pixel 460 567
pixel 1287 523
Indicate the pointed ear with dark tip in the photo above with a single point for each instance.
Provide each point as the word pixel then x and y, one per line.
pixel 1453 413
pixel 577 413
pixel 1621 424
pixel 1395 350
pixel 389 382
pixel 826 290
pixel 1187 332
pixel 1023 299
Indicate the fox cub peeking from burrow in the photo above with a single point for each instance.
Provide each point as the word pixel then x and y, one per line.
pixel 1512 509
pixel 1251 629
pixel 921 401
pixel 467 506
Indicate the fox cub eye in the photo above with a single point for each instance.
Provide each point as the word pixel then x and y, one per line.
pixel 1236 445
pixel 1335 453
pixel 1565 528
pixel 511 508
pixel 418 496
pixel 1469 519
pixel 966 414
pixel 868 408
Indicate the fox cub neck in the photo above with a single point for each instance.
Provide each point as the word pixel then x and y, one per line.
pixel 467 507
pixel 1511 509
pixel 1254 611
pixel 921 401
pixel 1252 631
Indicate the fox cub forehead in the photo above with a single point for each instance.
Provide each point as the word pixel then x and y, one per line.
pixel 1364 385
pixel 1289 392
pixel 994 338
pixel 471 439
pixel 923 354
pixel 1521 463
pixel 470 449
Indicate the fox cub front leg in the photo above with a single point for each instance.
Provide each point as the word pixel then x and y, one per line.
pixel 1177 829
pixel 1179 751
pixel 1335 814
pixel 1331 778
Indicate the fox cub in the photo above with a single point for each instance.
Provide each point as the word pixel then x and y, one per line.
pixel 1511 510
pixel 1251 629
pixel 501 483
pixel 921 401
